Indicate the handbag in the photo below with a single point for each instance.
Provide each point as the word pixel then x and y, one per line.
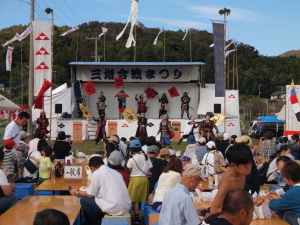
pixel 30 166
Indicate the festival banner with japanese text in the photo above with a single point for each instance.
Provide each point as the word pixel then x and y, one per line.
pixel 138 73
pixel 42 54
pixel 9 58
pixel 218 35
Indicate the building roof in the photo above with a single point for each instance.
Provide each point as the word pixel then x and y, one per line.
pixel 278 93
pixel 136 63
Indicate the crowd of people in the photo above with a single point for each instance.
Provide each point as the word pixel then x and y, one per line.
pixel 142 170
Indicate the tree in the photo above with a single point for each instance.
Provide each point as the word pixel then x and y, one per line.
pixel 225 12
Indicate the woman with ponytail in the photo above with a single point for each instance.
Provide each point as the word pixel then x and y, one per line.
pixel 139 165
pixel 283 151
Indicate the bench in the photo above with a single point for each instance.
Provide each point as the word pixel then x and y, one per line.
pixel 147 212
pixel 118 220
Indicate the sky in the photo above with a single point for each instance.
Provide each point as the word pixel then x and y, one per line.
pixel 271 26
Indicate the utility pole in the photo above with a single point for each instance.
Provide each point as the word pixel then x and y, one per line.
pixel 31 72
pixel 96 47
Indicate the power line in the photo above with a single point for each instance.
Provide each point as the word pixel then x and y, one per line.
pixel 55 14
pixel 41 10
pixel 63 12
pixel 37 12
pixel 73 11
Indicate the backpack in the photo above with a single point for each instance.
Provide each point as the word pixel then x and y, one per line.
pixel 263 170
pixel 58 170
pixel 218 158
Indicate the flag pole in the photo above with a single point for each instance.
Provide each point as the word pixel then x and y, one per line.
pixel 104 25
pixel 191 45
pixel 22 89
pixel 77 45
pixel 51 79
pixel 134 55
pixel 164 46
pixel 225 72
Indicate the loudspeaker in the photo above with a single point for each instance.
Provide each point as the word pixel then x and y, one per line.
pixel 66 115
pixel 217 108
pixel 58 108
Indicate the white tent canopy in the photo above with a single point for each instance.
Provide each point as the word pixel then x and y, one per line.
pixel 6 104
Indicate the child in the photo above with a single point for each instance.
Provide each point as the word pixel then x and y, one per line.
pixel 239 158
pixel 45 168
pixel 10 159
pixel 288 206
pixel 138 188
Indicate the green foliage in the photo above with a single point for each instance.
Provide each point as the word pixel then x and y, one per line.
pixel 272 73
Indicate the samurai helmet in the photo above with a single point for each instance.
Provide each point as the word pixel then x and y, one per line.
pixel 166 116
pixel 210 114
pixel 191 117
pixel 101 92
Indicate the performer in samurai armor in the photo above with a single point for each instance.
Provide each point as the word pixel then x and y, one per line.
pixel 100 134
pixel 189 130
pixel 142 125
pixel 185 104
pixel 163 105
pixel 166 131
pixel 206 126
pixel 122 103
pixel 42 124
pixel 101 104
pixel 141 103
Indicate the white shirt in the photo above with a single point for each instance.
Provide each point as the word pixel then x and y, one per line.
pixel 209 159
pixel 3 178
pixel 37 155
pixel 142 163
pixel 33 145
pixel 110 191
pixel 12 130
pixel 166 182
pixel 190 150
pixel 272 169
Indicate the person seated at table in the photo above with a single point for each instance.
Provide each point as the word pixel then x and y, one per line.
pixel 237 209
pixel 61 147
pixel 45 167
pixel 178 207
pixel 267 145
pixel 51 217
pixel 281 161
pixel 239 158
pixel 164 154
pixel 115 161
pixel 209 157
pixel 107 193
pixel 272 170
pixel 33 177
pixel 287 207
pixel 7 196
pixel 168 179
pixel 201 148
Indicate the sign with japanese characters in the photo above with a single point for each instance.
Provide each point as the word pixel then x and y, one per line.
pixel 218 34
pixel 138 73
pixel 73 172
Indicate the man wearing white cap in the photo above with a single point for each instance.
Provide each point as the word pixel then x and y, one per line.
pixel 211 157
pixel 178 207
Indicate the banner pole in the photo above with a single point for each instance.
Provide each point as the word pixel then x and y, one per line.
pixel 191 59
pixel 51 80
pixel 31 72
pixel 225 111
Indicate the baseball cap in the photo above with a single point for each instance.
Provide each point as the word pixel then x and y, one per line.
pixel 202 140
pixel 164 151
pixel 192 170
pixel 211 144
pixel 114 138
pixel 153 149
pixel 244 139
pixel 115 158
pixel 23 135
pixel 9 143
pixel 135 144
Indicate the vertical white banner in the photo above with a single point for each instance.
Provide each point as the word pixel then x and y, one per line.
pixel 9 58
pixel 42 54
